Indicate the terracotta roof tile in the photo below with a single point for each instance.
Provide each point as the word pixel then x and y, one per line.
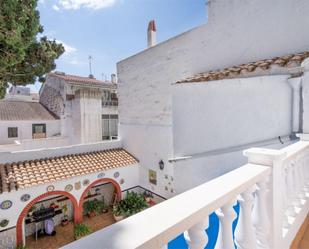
pixel 74 79
pixel 237 71
pixel 22 110
pixel 14 176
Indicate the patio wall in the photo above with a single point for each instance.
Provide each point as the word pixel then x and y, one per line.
pixel 8 238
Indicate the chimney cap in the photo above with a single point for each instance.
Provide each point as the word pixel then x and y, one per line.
pixel 152 26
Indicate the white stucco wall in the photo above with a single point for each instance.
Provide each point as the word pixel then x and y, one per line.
pixel 150 144
pixel 237 32
pixel 25 129
pixel 227 113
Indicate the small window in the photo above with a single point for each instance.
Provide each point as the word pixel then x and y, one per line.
pixel 12 132
pixel 38 130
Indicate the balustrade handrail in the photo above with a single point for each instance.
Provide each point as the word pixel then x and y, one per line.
pixel 154 227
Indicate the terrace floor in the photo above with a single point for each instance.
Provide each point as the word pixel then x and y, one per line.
pixel 304 243
pixel 64 234
pixel 301 240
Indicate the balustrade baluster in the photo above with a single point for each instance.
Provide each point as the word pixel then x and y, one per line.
pixel 196 237
pixel 261 220
pixel 296 201
pixel 285 199
pixel 245 237
pixel 290 191
pixel 226 216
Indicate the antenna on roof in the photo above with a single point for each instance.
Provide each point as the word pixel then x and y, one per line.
pixel 103 76
pixel 90 68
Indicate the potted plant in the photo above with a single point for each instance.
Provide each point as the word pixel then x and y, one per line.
pixel 54 205
pixel 131 204
pixel 147 196
pixel 118 213
pixel 65 218
pixel 31 210
pixel 94 207
pixel 81 230
pixel 89 208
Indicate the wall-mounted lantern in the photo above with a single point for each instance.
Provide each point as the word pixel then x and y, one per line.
pixel 161 165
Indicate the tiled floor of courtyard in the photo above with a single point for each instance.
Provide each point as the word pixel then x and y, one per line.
pixel 64 235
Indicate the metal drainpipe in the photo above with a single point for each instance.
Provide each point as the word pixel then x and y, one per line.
pixel 295 84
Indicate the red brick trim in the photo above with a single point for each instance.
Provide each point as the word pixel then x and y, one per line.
pixel 108 180
pixel 19 225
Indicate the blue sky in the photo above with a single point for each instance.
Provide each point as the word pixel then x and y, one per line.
pixel 111 30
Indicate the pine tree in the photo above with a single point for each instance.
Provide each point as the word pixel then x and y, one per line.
pixel 24 57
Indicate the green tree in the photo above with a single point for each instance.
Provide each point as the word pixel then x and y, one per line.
pixel 24 57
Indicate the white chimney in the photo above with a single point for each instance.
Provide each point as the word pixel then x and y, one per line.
pixel 113 78
pixel 151 34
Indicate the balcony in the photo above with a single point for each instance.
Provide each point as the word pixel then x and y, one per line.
pixel 272 192
pixel 109 103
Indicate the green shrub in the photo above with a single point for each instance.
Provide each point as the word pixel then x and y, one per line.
pixel 81 230
pixel 131 204
pixel 94 206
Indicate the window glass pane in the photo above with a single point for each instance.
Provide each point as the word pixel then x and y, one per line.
pixel 12 132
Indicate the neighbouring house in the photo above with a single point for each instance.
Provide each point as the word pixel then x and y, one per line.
pixel 26 121
pixel 83 109
pixel 87 106
pixel 21 93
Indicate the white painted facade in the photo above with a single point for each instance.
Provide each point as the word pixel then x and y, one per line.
pixel 53 129
pixel 235 33
pixel 128 178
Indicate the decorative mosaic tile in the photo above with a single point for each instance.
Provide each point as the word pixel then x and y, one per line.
pixel 50 188
pixel 77 185
pixel 4 222
pixel 86 182
pixel 25 197
pixel 116 174
pixel 68 188
pixel 101 175
pixel 6 204
pixel 121 181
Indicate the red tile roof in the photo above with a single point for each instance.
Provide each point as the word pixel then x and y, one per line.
pixel 82 80
pixel 14 176
pixel 22 110
pixel 247 69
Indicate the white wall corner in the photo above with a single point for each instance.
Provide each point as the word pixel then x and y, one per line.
pixel 303 136
pixel 263 156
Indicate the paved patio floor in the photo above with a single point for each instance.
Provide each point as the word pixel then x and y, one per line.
pixel 64 235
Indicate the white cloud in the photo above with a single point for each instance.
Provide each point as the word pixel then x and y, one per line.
pixel 55 7
pixel 90 4
pixel 68 49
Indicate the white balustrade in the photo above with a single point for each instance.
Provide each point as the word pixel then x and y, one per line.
pixel 245 233
pixel 196 236
pixel 260 216
pixel 272 191
pixel 226 215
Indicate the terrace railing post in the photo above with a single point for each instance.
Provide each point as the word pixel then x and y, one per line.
pixel 275 200
pixel 196 236
pixel 226 216
pixel 244 233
